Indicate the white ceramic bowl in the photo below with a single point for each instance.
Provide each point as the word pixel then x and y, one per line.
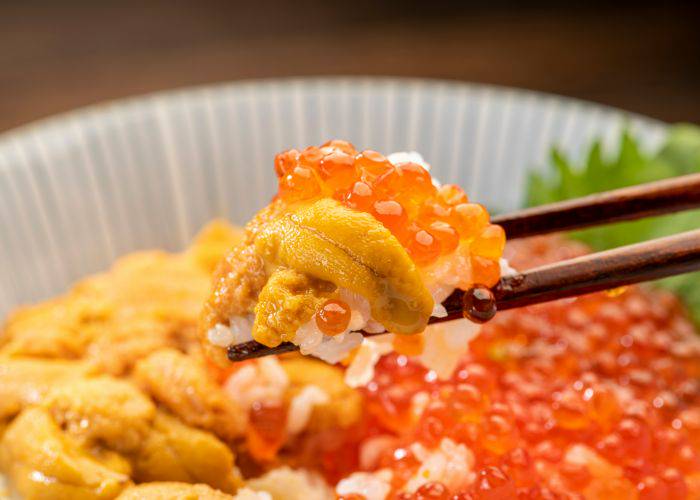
pixel 80 189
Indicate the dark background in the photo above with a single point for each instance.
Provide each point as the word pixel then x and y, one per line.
pixel 58 55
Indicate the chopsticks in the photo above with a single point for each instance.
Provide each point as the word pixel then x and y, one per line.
pixel 594 272
pixel 635 202
pixel 626 265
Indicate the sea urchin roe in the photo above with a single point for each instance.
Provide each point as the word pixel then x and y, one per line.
pixel 323 240
pixel 333 317
pixel 409 345
pixel 287 301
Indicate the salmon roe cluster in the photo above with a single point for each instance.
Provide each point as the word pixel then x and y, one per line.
pixel 593 398
pixel 429 221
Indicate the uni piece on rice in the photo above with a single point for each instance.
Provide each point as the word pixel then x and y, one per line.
pixel 352 241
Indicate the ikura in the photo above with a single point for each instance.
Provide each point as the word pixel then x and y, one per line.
pixel 408 183
pixel 409 345
pixel 300 184
pixel 423 247
pixel 311 158
pixel 360 197
pixel 469 219
pixel 392 215
pixel 333 317
pixel 563 400
pixel 446 235
pixel 434 210
pixel 493 484
pixel 337 170
pixel 452 194
pixel 484 271
pixel 370 165
pixel 286 161
pixel 490 242
pixel 429 222
pixel 266 432
pixel 344 146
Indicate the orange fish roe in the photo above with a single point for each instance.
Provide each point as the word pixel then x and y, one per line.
pixel 360 197
pixel 469 218
pixel 593 398
pixel 301 183
pixel 430 222
pixel 333 317
pixel 446 235
pixel 266 433
pixel 485 271
pixel 410 345
pixel 371 165
pixel 393 215
pixel 423 247
pixel 452 195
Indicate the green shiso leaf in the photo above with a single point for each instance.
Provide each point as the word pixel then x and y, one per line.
pixel 679 155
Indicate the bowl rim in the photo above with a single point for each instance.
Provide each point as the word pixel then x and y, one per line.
pixel 83 113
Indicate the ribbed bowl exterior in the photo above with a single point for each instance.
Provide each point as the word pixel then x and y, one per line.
pixel 80 189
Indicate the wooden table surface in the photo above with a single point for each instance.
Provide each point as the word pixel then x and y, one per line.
pixel 56 56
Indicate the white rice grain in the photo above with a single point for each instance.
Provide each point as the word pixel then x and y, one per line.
pixel 439 311
pixel 373 485
pixel 408 156
pixel 284 483
pixel 263 380
pixel 220 335
pixel 450 463
pixel 302 406
pixel 372 449
pixel 506 270
pixel 445 344
pixel 308 337
pixel 4 490
pixel 240 330
pixel 419 402
pixel 374 327
pixel 332 351
pixel 361 370
pixel 248 494
pixel 360 309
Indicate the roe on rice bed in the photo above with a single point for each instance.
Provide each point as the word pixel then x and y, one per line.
pixel 120 388
pixel 353 241
pixel 596 397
